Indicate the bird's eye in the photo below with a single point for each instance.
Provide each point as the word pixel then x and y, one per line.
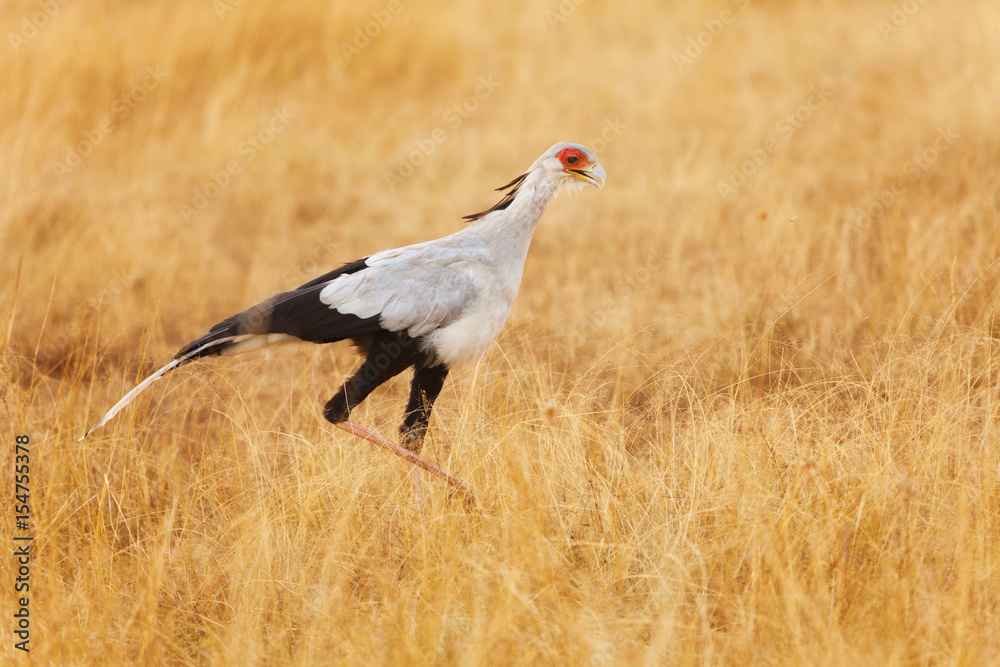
pixel 572 159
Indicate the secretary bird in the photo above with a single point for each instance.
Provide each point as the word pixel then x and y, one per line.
pixel 430 306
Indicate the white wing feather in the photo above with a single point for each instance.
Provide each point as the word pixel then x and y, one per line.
pixel 416 289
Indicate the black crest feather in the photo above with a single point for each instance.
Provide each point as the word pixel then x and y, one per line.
pixel 503 203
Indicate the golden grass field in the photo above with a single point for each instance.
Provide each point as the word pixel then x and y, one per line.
pixel 745 410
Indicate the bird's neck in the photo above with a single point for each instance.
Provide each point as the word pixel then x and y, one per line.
pixel 508 232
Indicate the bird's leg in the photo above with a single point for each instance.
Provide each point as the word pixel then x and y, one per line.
pixel 415 459
pixel 424 390
pixel 377 368
pixel 369 376
pixel 357 429
pixel 417 487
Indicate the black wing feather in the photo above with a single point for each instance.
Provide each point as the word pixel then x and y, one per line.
pixel 350 267
pixel 298 313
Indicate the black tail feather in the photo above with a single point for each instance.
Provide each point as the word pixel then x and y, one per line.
pixel 226 329
pixel 298 313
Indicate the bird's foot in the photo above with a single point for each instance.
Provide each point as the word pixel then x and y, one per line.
pixel 413 458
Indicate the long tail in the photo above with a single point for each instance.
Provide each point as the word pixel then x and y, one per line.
pixel 289 316
pixel 180 360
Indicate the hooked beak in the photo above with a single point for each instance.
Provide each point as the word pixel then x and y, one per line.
pixel 594 175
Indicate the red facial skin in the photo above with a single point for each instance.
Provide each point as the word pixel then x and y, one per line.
pixel 581 160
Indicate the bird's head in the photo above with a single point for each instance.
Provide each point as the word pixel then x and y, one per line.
pixel 565 164
pixel 574 163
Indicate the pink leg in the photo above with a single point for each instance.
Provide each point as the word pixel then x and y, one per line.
pixel 415 459
pixel 418 491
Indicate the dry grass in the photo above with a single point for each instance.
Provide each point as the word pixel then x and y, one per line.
pixel 717 430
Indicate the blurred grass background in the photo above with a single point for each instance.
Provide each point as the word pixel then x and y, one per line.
pixel 745 410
